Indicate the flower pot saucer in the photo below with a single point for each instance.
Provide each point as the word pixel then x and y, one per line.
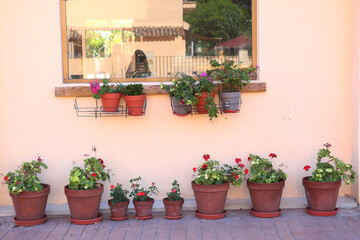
pixel 143 218
pixel 173 217
pixel 210 216
pixel 231 111
pixel 181 115
pixel 322 213
pixel 31 222
pixel 87 221
pixel 265 214
pixel 119 219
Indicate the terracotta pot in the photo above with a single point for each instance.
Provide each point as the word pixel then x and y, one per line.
pixel 143 208
pixel 84 204
pixel 265 197
pixel 135 104
pixel 173 208
pixel 210 199
pixel 30 206
pixel 200 105
pixel 321 196
pixel 119 210
pixel 110 101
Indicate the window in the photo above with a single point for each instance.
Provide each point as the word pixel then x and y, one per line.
pixel 148 40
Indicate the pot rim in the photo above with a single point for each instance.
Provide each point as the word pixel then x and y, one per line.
pixel 84 193
pixel 167 200
pixel 33 194
pixel 320 185
pixel 127 202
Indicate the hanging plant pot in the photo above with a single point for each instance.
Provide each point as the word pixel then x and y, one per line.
pixel 110 101
pixel 321 197
pixel 179 108
pixel 30 206
pixel 143 209
pixel 200 105
pixel 119 210
pixel 84 204
pixel 173 208
pixel 210 200
pixel 265 198
pixel 135 104
pixel 230 101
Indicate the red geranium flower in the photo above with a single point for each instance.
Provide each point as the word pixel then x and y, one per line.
pixel 237 160
pixel 204 166
pixel 102 162
pixel 39 159
pixel 206 157
pixel 194 169
pixel 249 158
pixel 272 155
pixel 153 183
pixel 236 177
pixel 182 101
pixel 94 175
pixel 246 171
pixel 139 194
pixel 6 178
pixel 307 167
pixel 327 145
pixel 241 165
pixel 112 186
pixel 173 190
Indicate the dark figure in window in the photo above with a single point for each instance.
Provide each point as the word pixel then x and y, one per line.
pixel 138 67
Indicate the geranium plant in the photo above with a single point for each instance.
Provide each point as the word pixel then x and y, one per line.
pixel 140 193
pixel 206 85
pixel 105 88
pixel 330 168
pixel 118 194
pixel 210 172
pixel 262 171
pixel 87 178
pixel 26 177
pixel 174 194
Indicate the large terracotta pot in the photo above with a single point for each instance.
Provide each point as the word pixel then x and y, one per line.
pixel 84 204
pixel 110 101
pixel 30 206
pixel 143 208
pixel 200 105
pixel 135 104
pixel 321 196
pixel 210 199
pixel 119 210
pixel 173 208
pixel 265 197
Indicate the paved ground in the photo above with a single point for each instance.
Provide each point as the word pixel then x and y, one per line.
pixel 238 224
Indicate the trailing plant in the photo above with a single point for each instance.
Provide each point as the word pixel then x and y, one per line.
pixel 140 193
pixel 118 194
pixel 262 171
pixel 174 194
pixel 26 177
pixel 331 170
pixel 133 89
pixel 105 88
pixel 86 178
pixel 211 173
pixel 232 77
pixel 206 85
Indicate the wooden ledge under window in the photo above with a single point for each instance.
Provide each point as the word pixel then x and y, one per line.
pixel 83 90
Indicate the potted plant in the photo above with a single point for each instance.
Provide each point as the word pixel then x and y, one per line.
pixel 173 202
pixel 28 195
pixel 206 94
pixel 135 99
pixel 322 188
pixel 211 185
pixel 265 185
pixel 118 203
pixel 182 93
pixel 110 95
pixel 84 192
pixel 141 198
pixel 233 78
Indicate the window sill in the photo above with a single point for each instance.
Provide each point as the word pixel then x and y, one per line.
pixel 83 90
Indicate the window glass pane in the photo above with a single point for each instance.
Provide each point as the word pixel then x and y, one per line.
pixel 155 38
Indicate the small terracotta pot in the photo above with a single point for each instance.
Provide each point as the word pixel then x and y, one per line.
pixel 135 104
pixel 110 101
pixel 119 210
pixel 321 196
pixel 210 199
pixel 30 206
pixel 200 105
pixel 143 208
pixel 265 197
pixel 84 204
pixel 173 208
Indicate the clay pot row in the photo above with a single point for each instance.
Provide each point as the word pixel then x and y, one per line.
pixel 134 104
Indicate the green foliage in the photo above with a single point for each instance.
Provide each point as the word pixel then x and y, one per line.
pixel 262 171
pixel 106 88
pixel 140 193
pixel 118 194
pixel 325 172
pixel 231 76
pixel 183 89
pixel 207 85
pixel 133 89
pixel 25 178
pixel 174 194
